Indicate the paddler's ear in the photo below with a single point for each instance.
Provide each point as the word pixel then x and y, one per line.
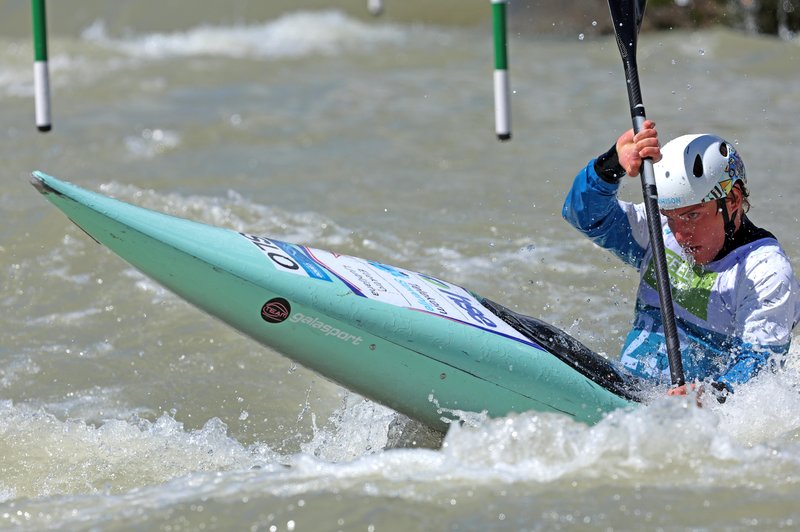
pixel 735 198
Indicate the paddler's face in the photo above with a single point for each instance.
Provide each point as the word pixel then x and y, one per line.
pixel 699 230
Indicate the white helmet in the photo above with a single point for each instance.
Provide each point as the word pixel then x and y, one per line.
pixel 695 169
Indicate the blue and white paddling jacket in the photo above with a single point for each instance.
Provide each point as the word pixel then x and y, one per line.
pixel 733 315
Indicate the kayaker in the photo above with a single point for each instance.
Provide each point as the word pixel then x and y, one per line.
pixel 735 295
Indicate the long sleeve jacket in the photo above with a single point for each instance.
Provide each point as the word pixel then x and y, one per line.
pixel 733 315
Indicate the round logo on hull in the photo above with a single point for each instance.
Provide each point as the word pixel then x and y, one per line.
pixel 276 310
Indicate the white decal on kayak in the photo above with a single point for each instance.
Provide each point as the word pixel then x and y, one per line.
pixel 381 282
pixel 279 257
pixel 404 288
pixel 324 328
pixel 288 257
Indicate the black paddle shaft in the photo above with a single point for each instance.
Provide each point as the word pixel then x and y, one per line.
pixel 626 16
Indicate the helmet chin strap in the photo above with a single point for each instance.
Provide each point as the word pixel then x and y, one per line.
pixel 727 219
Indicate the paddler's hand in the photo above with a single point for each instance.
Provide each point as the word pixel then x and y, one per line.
pixel 685 389
pixel 632 149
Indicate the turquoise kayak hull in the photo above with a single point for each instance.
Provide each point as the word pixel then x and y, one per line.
pixel 419 345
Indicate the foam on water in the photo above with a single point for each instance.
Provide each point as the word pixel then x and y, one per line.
pixel 292 35
pixel 16 366
pixel 669 440
pixel 93 468
pixel 48 456
pixel 97 54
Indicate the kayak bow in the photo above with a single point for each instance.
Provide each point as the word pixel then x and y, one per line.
pixel 417 344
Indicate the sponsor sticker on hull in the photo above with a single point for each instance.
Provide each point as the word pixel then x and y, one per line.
pixel 276 310
pixel 288 257
pixel 404 288
pixel 326 329
pixel 381 282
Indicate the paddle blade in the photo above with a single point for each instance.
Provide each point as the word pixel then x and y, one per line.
pixel 626 16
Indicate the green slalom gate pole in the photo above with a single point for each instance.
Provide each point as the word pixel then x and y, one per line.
pixel 502 91
pixel 41 77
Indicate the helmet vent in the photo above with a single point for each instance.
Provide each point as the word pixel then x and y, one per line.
pixel 697 170
pixel 723 149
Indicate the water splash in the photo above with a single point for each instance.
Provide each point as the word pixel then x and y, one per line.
pixel 48 456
